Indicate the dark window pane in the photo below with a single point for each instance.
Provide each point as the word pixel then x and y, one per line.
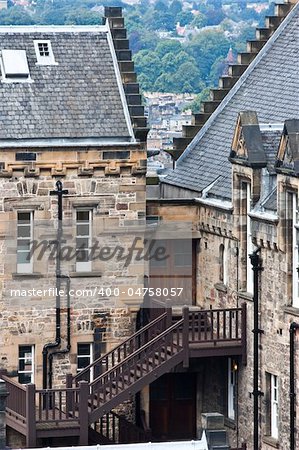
pixel 24 350
pixel 24 217
pixel 83 349
pixel 83 362
pixel 24 378
pixel 82 216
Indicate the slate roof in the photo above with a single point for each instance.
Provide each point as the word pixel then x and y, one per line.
pixel 271 140
pixel 269 86
pixel 270 202
pixel 80 97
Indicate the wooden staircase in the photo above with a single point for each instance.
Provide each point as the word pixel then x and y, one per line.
pixel 84 407
pixel 228 81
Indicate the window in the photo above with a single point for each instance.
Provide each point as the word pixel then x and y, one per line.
pixel 14 65
pixel 44 53
pixel 295 252
pixel 249 246
pixel 28 156
pixel 83 240
pixel 24 242
pixel 222 264
pixel 85 357
pixel 273 396
pixel 26 364
pixel 231 388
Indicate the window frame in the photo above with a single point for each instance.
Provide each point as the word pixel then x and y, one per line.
pixel 27 267
pixel 295 252
pixel 90 356
pixel 231 390
pixel 84 266
pixel 32 371
pixel 274 406
pixel 249 245
pixel 42 60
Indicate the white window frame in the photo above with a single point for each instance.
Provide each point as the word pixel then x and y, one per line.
pixel 26 358
pixel 274 400
pixel 295 262
pixel 24 74
pixel 90 356
pixel 231 390
pixel 42 60
pixel 249 245
pixel 26 267
pixel 223 263
pixel 84 266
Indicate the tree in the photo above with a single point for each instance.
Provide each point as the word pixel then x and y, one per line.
pixel 15 16
pixel 168 46
pixel 184 17
pixel 175 7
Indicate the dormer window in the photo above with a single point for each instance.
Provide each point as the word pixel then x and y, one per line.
pixel 14 65
pixel 44 53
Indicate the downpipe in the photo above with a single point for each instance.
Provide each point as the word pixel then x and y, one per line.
pixel 293 328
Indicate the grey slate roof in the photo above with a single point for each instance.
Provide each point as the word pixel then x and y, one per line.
pixel 269 86
pixel 78 98
pixel 270 202
pixel 271 140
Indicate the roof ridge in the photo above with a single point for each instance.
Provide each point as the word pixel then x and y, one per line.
pixel 262 53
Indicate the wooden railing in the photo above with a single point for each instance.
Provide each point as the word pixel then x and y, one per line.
pixel 53 405
pixel 126 348
pixel 16 399
pixel 116 428
pixel 216 326
pixel 117 380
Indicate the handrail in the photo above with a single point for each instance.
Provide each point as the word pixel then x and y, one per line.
pixel 139 350
pixel 118 347
pixel 13 382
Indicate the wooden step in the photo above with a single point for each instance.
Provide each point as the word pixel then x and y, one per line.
pixel 246 58
pixel 236 70
pixel 227 82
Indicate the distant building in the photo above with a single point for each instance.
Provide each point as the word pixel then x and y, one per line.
pixel 3 4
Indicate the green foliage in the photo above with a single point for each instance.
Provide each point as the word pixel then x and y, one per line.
pixel 15 16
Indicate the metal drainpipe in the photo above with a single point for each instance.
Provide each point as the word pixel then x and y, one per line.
pixel 68 346
pixel 256 267
pixel 293 328
pixel 59 192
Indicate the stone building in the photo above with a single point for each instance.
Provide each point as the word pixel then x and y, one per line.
pixel 238 181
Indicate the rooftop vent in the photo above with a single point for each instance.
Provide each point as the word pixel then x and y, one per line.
pixel 14 65
pixel 44 53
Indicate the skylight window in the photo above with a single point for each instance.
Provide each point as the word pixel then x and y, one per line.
pixel 14 65
pixel 44 53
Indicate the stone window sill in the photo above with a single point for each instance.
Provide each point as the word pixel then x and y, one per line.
pixel 245 296
pixel 291 310
pixel 271 441
pixel 229 423
pixel 27 275
pixel 85 274
pixel 220 287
